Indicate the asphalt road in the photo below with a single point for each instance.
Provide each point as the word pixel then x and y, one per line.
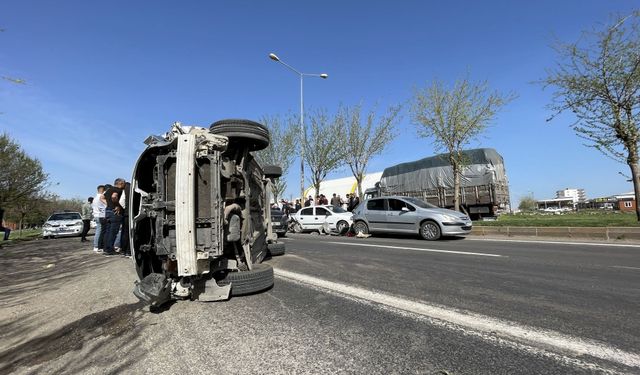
pixel 339 305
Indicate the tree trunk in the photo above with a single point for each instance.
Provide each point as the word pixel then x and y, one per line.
pixel 317 187
pixel 359 182
pixel 636 186
pixel 20 227
pixel 456 186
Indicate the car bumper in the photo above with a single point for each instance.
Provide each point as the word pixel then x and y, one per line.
pixel 67 232
pixel 278 228
pixel 456 229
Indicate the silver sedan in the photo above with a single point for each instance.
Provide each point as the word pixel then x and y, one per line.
pixel 409 215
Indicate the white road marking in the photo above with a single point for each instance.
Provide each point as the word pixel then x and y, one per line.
pixel 541 340
pixel 554 242
pixel 417 249
pixel 626 267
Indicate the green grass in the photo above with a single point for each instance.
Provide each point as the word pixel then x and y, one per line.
pixel 570 219
pixel 27 234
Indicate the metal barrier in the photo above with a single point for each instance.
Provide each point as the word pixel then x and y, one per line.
pixel 595 233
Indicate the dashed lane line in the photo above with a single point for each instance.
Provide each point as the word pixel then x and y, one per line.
pixel 540 341
pixel 418 249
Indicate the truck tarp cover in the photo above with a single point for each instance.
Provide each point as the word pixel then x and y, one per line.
pixel 483 166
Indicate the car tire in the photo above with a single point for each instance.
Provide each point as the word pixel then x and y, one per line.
pixel 250 134
pixel 276 249
pixel 248 282
pixel 297 228
pixel 272 171
pixel 361 227
pixel 341 225
pixel 430 230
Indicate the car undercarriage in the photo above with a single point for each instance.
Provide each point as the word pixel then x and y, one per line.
pixel 198 214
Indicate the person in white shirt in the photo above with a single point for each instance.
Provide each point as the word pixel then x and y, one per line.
pixel 99 207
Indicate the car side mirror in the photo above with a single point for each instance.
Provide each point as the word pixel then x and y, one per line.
pixel 404 209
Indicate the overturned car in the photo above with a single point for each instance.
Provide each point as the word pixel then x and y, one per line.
pixel 199 217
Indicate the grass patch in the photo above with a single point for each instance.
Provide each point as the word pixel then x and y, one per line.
pixel 569 219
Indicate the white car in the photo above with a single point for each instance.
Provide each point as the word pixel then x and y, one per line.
pixel 313 218
pixel 63 224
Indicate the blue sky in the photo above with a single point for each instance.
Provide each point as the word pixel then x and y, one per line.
pixel 103 75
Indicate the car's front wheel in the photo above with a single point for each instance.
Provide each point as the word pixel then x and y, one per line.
pixel 361 227
pixel 342 225
pixel 430 230
pixel 297 228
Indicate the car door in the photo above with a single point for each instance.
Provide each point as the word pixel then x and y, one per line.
pixel 320 216
pixel 376 213
pixel 305 218
pixel 401 216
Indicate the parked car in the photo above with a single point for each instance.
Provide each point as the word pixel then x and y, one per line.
pixel 397 214
pixel 279 222
pixel 62 224
pixel 312 218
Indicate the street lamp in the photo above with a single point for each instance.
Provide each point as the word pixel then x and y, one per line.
pixel 275 58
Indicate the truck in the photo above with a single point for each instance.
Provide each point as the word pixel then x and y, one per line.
pixel 484 187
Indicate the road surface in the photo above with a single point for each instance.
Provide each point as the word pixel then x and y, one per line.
pixel 380 305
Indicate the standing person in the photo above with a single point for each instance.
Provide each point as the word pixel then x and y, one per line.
pixel 351 199
pixel 113 215
pixel 356 202
pixel 4 229
pixel 335 200
pixel 309 202
pixel 87 215
pixel 99 206
pixel 124 233
pixel 298 206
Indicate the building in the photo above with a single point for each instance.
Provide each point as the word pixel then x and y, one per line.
pixel 344 186
pixel 578 195
pixel 626 202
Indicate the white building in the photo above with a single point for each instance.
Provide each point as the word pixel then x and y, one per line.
pixel 578 195
pixel 344 186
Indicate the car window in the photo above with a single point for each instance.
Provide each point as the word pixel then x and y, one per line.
pixel 338 210
pixel 375 205
pixel 397 205
pixel 66 216
pixel 420 203
pixel 307 212
pixel 321 211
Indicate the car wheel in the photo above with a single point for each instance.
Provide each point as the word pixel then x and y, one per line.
pixel 361 227
pixel 247 282
pixel 341 226
pixel 276 249
pixel 297 228
pixel 248 133
pixel 430 230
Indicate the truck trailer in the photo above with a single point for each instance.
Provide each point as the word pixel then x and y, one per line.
pixel 484 187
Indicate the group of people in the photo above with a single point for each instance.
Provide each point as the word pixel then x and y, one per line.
pixel 108 210
pixel 348 203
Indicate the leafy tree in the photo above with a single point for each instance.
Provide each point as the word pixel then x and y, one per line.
pixel 527 204
pixel 598 79
pixel 324 147
pixel 365 137
pixel 21 176
pixel 454 117
pixel 281 150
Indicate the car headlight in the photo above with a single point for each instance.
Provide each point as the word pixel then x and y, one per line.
pixel 78 223
pixel 46 225
pixel 450 218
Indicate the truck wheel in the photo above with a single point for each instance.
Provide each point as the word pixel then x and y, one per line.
pixel 272 171
pixel 247 133
pixel 361 227
pixel 276 249
pixel 430 230
pixel 247 282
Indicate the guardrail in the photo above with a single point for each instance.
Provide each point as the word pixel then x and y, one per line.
pixel 595 233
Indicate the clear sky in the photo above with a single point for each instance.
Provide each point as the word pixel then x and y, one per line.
pixel 101 76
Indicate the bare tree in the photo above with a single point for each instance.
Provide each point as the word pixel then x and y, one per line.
pixel 281 150
pixel 324 146
pixel 598 79
pixel 454 117
pixel 365 137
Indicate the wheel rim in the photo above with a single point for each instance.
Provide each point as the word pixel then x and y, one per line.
pixel 297 228
pixel 430 231
pixel 341 226
pixel 361 227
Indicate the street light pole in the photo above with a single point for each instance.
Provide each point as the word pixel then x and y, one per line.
pixel 275 58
